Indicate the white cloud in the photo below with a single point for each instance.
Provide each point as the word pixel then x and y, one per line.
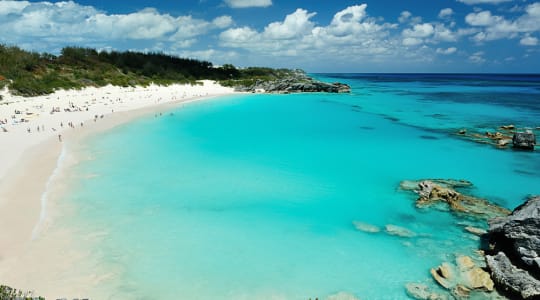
pixel 529 41
pixel 410 41
pixel 477 58
pixel 443 34
pixel 238 37
pixel 223 22
pixel 419 31
pixel 483 18
pixel 497 27
pixel 474 2
pixel 351 34
pixel 248 3
pixel 295 24
pixel 12 7
pixel 445 13
pixel 404 16
pixel 446 51
pixel 47 26
pixel 145 24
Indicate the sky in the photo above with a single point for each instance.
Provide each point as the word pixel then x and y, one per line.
pixel 493 36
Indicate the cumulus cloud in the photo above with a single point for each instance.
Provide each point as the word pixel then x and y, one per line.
pixel 419 31
pixel 404 16
pixel 351 33
pixel 483 18
pixel 445 13
pixel 410 41
pixel 497 27
pixel 294 25
pixel 529 41
pixel 248 3
pixel 446 51
pixel 47 26
pixel 223 22
pixel 12 7
pixel 474 2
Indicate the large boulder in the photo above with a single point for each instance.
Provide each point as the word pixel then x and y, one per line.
pixel 511 279
pixel 524 140
pixel 518 235
pixel 514 245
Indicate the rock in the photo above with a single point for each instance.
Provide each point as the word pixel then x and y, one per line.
pixel 503 142
pixel 417 291
pixel 476 278
pixel 434 191
pixel 399 231
pixel 421 292
pixel 507 127
pixel 366 227
pixel 342 296
pixel 465 263
pixel 443 275
pixel 298 82
pixel 460 291
pixel 514 245
pixel 512 279
pixel 518 235
pixel 475 230
pixel 524 140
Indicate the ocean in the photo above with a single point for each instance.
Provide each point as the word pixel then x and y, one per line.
pixel 254 196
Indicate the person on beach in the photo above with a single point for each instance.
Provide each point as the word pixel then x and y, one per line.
pixel 59 137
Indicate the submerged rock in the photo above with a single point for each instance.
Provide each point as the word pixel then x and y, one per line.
pixel 399 231
pixel 436 191
pixel 463 278
pixel 475 230
pixel 422 292
pixel 365 227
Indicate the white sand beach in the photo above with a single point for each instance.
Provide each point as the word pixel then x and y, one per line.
pixel 33 131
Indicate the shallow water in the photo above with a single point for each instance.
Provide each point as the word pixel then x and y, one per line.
pixel 253 196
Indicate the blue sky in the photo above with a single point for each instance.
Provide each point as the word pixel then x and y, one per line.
pixel 317 36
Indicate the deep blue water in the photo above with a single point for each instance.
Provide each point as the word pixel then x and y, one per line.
pixel 254 196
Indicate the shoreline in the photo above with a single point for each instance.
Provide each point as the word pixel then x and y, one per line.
pixel 34 163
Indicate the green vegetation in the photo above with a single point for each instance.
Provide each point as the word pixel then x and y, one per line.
pixel 7 293
pixel 30 73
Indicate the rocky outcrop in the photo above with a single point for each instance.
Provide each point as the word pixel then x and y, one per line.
pixel 511 279
pixel 434 191
pixel 514 248
pixel 297 84
pixel 503 136
pixel 524 140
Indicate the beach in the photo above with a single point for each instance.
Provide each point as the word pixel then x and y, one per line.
pixel 33 135
pixel 259 196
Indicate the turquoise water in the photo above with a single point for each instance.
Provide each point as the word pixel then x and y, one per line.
pixel 253 196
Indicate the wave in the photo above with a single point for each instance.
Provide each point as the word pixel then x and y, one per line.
pixel 45 194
